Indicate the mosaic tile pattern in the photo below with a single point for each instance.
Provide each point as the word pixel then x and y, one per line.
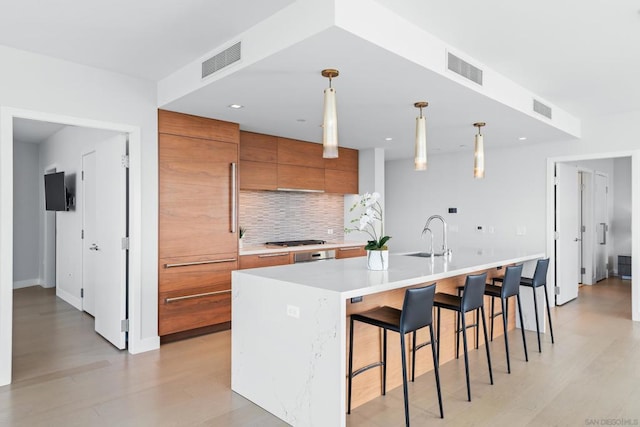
pixel 281 215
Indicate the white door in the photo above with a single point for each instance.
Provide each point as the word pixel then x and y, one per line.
pixel 568 232
pixel 89 252
pixel 601 225
pixel 111 228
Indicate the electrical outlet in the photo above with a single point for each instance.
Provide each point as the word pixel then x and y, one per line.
pixel 521 230
pixel 293 311
pixel 330 231
pixel 491 229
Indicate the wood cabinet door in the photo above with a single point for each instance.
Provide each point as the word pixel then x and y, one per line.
pixel 173 123
pixel 300 153
pixel 257 147
pixel 264 260
pixel 350 252
pixel 347 160
pixel 341 182
pixel 258 175
pixel 195 197
pixel 300 178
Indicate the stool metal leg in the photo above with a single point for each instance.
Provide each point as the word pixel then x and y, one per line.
pixel 384 362
pixel 486 344
pixel 404 379
pixel 493 315
pixel 504 325
pixel 546 295
pixel 438 337
pixel 477 317
pixel 535 307
pixel 458 331
pixel 466 355
pixel 413 357
pixel 524 341
pixel 350 365
pixel 436 370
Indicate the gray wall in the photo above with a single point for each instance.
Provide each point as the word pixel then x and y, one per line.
pixel 26 200
pixel 621 219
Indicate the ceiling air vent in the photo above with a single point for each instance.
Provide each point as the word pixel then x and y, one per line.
pixel 540 108
pixel 463 68
pixel 221 60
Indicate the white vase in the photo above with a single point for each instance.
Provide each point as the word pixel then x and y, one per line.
pixel 377 260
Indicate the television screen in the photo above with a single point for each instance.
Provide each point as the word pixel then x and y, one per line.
pixel 55 195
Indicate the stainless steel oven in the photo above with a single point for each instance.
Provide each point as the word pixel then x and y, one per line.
pixel 313 256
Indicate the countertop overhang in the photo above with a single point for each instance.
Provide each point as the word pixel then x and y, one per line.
pixel 351 278
pixel 265 249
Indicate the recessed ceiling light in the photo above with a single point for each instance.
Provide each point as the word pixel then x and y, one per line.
pixel 388 138
pixel 522 138
pixel 236 106
pixel 462 146
pixel 301 120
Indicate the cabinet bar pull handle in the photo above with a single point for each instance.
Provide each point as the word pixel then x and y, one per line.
pixel 206 294
pixel 349 249
pixel 234 202
pixel 273 255
pixel 210 261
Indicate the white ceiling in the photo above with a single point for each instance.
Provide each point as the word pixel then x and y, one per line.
pixel 142 38
pixel 580 55
pixel 33 131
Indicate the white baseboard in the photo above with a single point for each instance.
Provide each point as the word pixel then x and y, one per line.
pixel 66 296
pixel 27 283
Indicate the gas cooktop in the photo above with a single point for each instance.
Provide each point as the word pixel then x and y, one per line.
pixel 297 243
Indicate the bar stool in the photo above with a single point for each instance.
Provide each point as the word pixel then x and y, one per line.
pixel 510 287
pixel 416 313
pixel 475 325
pixel 539 279
pixel 472 299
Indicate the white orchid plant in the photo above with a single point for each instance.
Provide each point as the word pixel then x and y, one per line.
pixel 368 221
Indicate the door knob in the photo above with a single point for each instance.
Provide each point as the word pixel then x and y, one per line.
pixel 94 247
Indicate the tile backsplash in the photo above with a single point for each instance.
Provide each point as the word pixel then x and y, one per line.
pixel 282 215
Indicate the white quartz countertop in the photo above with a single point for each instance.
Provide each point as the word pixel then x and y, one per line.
pixel 351 278
pixel 264 249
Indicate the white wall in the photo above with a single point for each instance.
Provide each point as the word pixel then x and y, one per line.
pixel 26 177
pixel 513 194
pixel 64 149
pixel 37 83
pixel 621 219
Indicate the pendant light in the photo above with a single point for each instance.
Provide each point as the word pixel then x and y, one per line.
pixel 420 159
pixel 478 155
pixel 330 119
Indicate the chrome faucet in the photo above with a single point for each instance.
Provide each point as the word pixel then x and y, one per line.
pixel 424 230
pixel 445 248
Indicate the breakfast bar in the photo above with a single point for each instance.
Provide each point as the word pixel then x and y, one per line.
pixel 290 327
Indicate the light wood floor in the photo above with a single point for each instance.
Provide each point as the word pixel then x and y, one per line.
pixel 65 375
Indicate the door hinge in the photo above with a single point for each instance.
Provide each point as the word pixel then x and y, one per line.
pixel 82 175
pixel 557 290
pixel 606 189
pixel 124 325
pixel 583 270
pixel 583 228
pixel 125 161
pixel 81 292
pixel 556 235
pixel 82 234
pixel 555 180
pixel 125 243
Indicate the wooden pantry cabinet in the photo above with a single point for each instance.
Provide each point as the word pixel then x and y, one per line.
pixel 198 240
pixel 271 163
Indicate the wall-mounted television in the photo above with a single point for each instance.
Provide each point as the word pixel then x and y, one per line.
pixel 56 197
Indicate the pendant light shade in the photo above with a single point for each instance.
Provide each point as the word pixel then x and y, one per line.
pixel 330 119
pixel 478 155
pixel 420 159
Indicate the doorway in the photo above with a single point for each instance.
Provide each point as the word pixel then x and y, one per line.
pixel 7 115
pixel 604 235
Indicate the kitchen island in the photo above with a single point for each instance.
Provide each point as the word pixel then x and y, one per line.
pixel 290 328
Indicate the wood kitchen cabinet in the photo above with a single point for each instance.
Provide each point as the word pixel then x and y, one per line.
pixel 265 260
pixel 350 252
pixel 258 161
pixel 271 163
pixel 341 174
pixel 197 227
